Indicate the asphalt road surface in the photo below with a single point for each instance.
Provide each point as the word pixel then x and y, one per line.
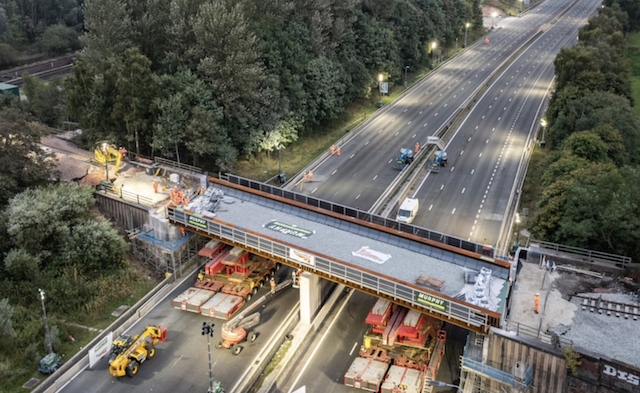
pixel 364 170
pixel 180 363
pixel 469 198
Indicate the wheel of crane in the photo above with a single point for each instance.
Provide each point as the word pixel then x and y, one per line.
pixel 278 265
pixel 236 349
pixel 253 336
pixel 260 283
pixel 273 272
pixel 132 368
pixel 151 352
pixel 219 344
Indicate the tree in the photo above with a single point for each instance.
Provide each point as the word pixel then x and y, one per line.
pixel 231 65
pixel 58 244
pixel 6 323
pixel 133 98
pixel 45 100
pixel 21 165
pixel 58 40
pixel 108 29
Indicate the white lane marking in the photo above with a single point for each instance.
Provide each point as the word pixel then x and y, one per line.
pixel 355 344
pixel 453 211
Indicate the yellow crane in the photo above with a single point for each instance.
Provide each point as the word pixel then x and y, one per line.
pixel 105 153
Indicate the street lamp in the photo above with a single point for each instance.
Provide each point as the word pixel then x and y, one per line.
pixel 380 77
pixel 105 150
pixel 520 7
pixel 543 123
pixel 46 322
pixel 282 178
pixel 405 75
pixel 493 19
pixel 433 54
pixel 207 330
pixel 518 229
pixel 466 28
pixel 443 384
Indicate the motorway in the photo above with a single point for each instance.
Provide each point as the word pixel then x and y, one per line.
pixel 364 170
pixel 484 157
pixel 180 363
pixel 469 198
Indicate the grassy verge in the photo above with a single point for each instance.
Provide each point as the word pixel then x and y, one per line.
pixel 76 330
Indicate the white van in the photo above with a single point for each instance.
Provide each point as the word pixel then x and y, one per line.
pixel 408 210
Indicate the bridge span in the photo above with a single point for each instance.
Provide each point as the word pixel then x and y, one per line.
pixel 455 285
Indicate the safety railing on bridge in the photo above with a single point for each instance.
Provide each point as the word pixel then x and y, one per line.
pixel 590 254
pixel 125 195
pixel 361 215
pixel 468 315
pixel 176 165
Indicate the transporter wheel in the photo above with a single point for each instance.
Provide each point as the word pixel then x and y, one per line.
pixel 236 349
pixel 249 296
pixel 254 290
pixel 132 368
pixel 253 336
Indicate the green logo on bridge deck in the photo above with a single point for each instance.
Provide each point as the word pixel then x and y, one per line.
pixel 289 229
pixel 197 222
pixel 432 301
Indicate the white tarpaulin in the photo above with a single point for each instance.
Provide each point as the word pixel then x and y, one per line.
pixel 371 255
pixel 100 349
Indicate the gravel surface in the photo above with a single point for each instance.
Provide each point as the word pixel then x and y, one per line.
pixel 610 336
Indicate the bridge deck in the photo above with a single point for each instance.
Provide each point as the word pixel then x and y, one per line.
pixel 384 263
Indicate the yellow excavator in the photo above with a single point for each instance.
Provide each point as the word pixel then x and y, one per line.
pixel 128 353
pixel 105 153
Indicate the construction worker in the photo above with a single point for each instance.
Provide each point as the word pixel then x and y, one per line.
pixel 304 177
pixel 309 176
pixel 338 150
pixel 536 303
pixel 333 149
pixel 155 186
pixel 272 283
pixel 416 148
pixel 183 231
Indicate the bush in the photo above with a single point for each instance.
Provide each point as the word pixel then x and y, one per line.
pixel 58 40
pixel 8 56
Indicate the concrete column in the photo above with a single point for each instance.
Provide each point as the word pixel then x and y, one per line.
pixel 309 297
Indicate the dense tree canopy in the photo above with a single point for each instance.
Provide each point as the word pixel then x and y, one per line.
pixel 590 196
pixel 268 69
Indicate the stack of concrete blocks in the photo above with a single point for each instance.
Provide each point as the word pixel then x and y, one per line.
pixel 482 290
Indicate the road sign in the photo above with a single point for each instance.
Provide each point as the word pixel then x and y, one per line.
pixel 384 87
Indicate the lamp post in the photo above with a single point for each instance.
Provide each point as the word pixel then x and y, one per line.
pixel 543 123
pixel 433 54
pixel 520 7
pixel 380 77
pixel 518 229
pixel 105 150
pixel 493 19
pixel 282 178
pixel 207 330
pixel 46 322
pixel 405 75
pixel 466 28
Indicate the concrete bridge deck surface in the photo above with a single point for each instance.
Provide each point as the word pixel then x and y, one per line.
pixel 379 252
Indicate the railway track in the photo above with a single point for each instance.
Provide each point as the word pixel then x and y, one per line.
pixel 44 70
pixel 626 310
